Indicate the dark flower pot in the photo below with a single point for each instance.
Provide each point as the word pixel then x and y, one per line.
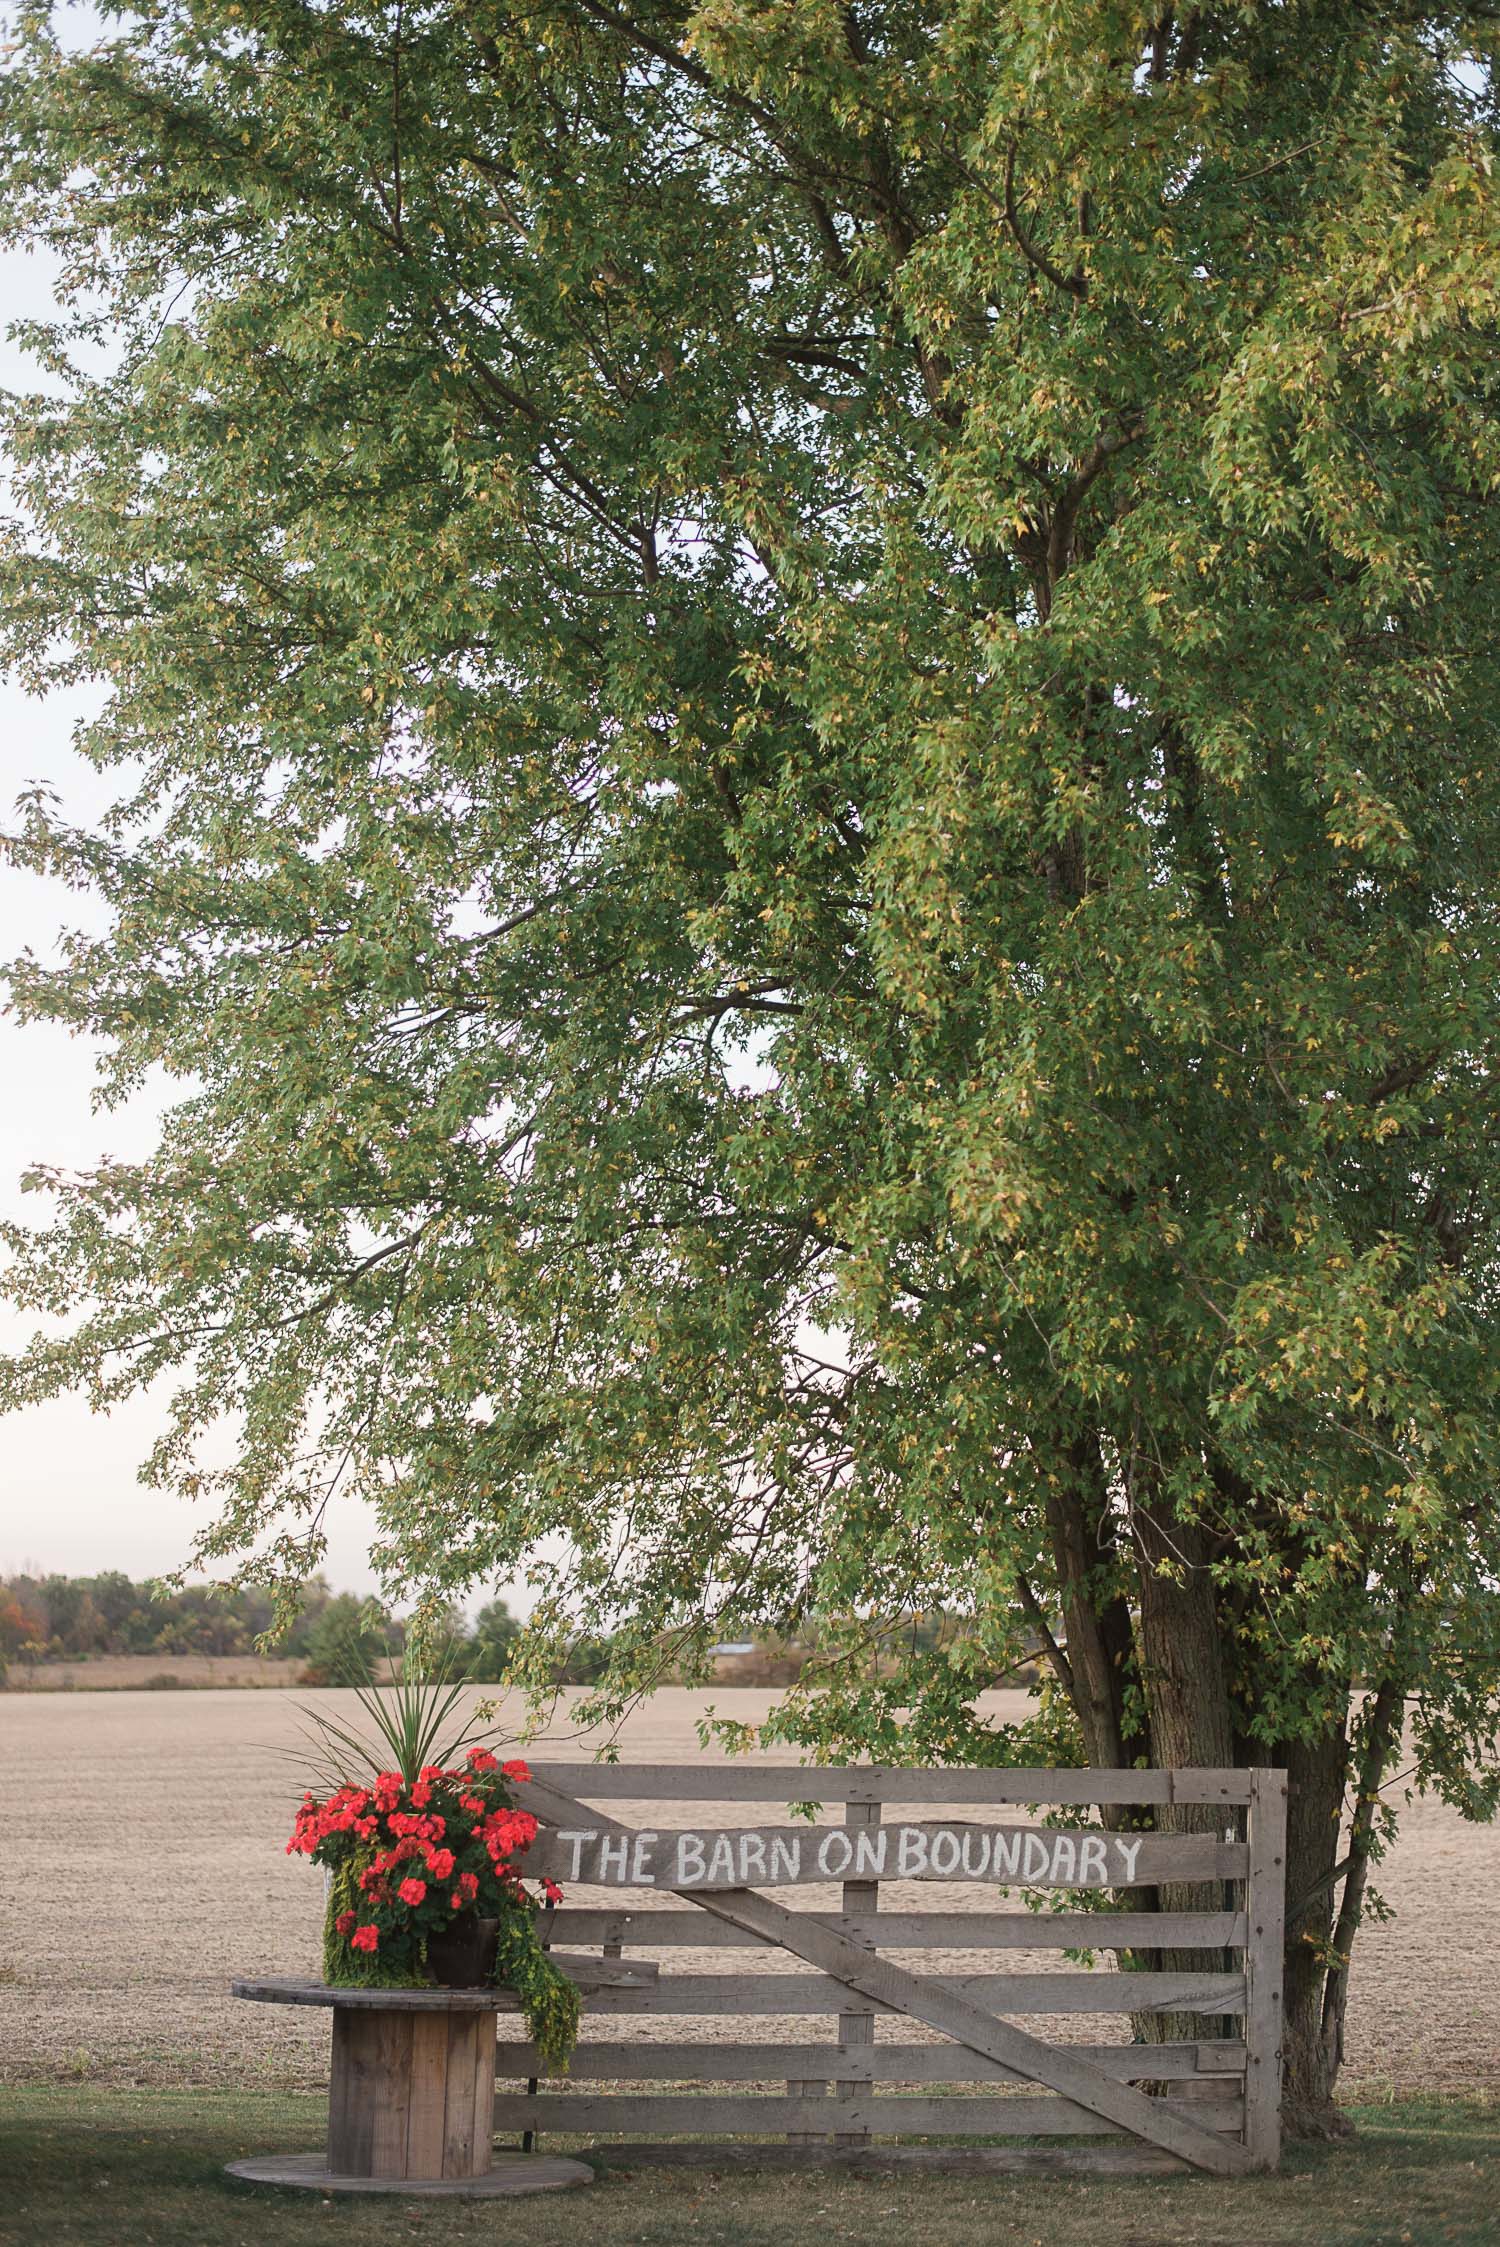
pixel 462 1956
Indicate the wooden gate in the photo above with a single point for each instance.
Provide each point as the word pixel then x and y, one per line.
pixel 1214 2098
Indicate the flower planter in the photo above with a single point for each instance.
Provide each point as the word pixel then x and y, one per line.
pixel 461 1956
pixel 427 1892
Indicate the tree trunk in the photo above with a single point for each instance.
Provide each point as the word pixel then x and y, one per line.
pixel 1187 1702
pixel 1174 1644
pixel 1317 1771
pixel 1096 1622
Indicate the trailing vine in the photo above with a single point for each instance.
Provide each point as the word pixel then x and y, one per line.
pixel 549 2000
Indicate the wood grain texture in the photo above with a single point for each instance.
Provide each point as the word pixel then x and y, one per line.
pixel 951 2011
pixel 639 2062
pixel 512 2176
pixel 693 1929
pixel 1109 2159
pixel 801 1856
pixel 798 2116
pixel 277 1990
pixel 806 2095
pixel 1265 1895
pixel 787 1783
pixel 797 1994
pixel 348 2124
pixel 427 2093
pixel 861 1902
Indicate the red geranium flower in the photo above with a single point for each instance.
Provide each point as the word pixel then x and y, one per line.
pixel 480 1759
pixel 345 1921
pixel 365 1939
pixel 412 1891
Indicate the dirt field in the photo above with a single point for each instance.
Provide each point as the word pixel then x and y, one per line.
pixel 126 1673
pixel 146 1866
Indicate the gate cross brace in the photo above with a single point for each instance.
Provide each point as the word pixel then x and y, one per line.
pixel 929 2000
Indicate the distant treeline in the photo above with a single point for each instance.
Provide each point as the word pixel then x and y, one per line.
pixel 75 1618
pixel 47 1619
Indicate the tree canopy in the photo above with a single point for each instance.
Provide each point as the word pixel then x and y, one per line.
pixel 805 698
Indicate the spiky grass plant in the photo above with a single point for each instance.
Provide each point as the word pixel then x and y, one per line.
pixel 412 1720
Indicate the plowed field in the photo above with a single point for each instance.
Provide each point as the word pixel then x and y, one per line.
pixel 145 1867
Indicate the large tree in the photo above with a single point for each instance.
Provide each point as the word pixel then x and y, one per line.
pixel 806 704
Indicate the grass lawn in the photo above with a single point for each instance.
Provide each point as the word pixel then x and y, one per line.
pixel 94 2166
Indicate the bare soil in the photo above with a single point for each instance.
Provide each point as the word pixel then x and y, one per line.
pixel 146 1866
pixel 156 1673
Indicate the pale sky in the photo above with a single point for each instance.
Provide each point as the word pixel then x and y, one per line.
pixel 69 1497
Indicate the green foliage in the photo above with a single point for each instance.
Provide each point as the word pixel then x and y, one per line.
pixel 495 1633
pixel 416 1720
pixel 551 2003
pixel 73 1617
pixel 344 1968
pixel 414 1861
pixel 345 1639
pixel 805 705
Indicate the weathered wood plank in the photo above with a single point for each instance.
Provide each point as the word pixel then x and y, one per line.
pixel 369 2094
pixel 952 2012
pixel 467 2125
pixel 797 1994
pixel 484 2094
pixel 384 2082
pixel 279 1990
pixel 612 1972
pixel 349 2119
pixel 427 2095
pixel 1265 1905
pixel 1021 2117
pixel 1108 2159
pixel 807 2092
pixel 861 1901
pixel 638 2062
pixel 786 1783
pixel 890 1931
pixel 692 1861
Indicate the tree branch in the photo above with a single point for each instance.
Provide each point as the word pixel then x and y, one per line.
pixel 1074 282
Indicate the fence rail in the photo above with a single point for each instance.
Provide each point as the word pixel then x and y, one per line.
pixel 1210 2099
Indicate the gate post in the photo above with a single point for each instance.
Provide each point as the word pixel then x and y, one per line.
pixel 856 2029
pixel 1265 1911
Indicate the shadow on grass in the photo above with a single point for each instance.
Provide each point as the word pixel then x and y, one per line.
pixel 87 2165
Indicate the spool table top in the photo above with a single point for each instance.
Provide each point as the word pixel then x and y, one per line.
pixel 279 1990
pixel 590 1975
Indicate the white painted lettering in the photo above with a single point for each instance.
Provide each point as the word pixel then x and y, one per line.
pixel 786 1857
pixel 1093 1862
pixel 690 1865
pixel 1007 1857
pixel 614 1859
pixel 752 1858
pixel 721 1861
pixel 1129 1850
pixel 1064 1859
pixel 835 1845
pixel 869 1853
pixel 642 1870
pixel 1036 1857
pixel 579 1836
pixel 976 1852
pixel 947 1849
pixel 911 1853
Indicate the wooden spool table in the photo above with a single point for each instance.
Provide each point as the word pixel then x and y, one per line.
pixel 411 2097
